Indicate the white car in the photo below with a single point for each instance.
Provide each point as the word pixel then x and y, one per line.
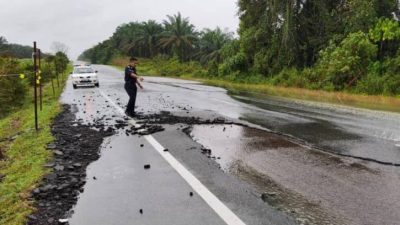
pixel 84 76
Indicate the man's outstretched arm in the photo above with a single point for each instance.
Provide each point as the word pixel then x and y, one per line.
pixel 134 75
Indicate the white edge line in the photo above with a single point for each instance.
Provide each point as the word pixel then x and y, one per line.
pixel 220 208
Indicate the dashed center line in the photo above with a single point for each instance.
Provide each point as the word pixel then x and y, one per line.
pixel 220 208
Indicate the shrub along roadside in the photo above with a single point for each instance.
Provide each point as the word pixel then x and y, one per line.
pixel 21 167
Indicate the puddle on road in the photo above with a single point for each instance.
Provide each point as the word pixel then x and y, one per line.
pixel 232 143
pixel 314 186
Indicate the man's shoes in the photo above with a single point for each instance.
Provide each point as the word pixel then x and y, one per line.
pixel 129 114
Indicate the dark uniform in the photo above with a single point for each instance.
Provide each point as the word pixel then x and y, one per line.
pixel 131 89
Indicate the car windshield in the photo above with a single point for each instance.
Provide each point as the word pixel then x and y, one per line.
pixel 83 70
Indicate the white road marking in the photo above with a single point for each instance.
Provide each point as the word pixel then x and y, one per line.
pixel 220 208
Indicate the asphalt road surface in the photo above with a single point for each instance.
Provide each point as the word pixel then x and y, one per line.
pixel 272 160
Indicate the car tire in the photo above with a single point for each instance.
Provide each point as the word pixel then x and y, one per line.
pixel 97 85
pixel 74 85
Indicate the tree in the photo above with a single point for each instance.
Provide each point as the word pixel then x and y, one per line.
pixel 149 37
pixel 61 62
pixel 3 41
pixel 211 43
pixel 59 47
pixel 278 34
pixel 179 36
pixel 14 50
pixel 386 33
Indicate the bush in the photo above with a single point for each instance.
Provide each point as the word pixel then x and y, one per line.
pixel 392 84
pixel 392 65
pixel 212 70
pixel 233 64
pixel 290 78
pixel 371 84
pixel 343 65
pixel 374 84
pixel 173 67
pixel 314 81
pixel 12 89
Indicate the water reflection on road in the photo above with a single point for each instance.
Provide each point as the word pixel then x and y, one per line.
pixel 318 187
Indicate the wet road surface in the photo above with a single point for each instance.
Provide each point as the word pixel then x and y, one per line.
pixel 342 130
pixel 260 177
pixel 119 190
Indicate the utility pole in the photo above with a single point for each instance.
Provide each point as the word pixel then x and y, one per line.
pixel 35 84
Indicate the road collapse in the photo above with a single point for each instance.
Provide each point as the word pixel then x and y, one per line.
pixel 78 144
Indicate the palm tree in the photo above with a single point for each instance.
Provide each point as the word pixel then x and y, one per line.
pixel 211 43
pixel 149 36
pixel 179 36
pixel 126 36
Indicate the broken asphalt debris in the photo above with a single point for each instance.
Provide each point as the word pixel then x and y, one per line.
pixel 75 147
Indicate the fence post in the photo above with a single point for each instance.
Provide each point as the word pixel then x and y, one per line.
pixel 40 80
pixel 56 68
pixel 52 86
pixel 35 84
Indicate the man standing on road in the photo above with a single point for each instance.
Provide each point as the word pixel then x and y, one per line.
pixel 131 80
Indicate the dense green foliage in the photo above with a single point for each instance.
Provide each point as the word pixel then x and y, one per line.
pixel 350 45
pixel 14 50
pixel 12 88
pixel 16 77
pixel 176 37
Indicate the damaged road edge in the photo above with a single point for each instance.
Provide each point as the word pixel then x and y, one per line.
pixel 75 147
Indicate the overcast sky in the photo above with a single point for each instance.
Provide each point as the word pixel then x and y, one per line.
pixel 81 24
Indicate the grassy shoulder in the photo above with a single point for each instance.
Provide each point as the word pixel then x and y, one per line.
pixel 24 155
pixel 194 71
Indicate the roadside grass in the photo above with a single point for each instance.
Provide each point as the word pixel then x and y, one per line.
pixel 374 102
pixel 25 155
pixel 146 65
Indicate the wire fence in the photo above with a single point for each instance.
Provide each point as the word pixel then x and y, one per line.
pixel 36 76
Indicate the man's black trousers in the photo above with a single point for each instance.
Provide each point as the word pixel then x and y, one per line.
pixel 131 89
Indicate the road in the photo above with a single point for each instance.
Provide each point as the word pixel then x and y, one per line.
pixel 272 160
